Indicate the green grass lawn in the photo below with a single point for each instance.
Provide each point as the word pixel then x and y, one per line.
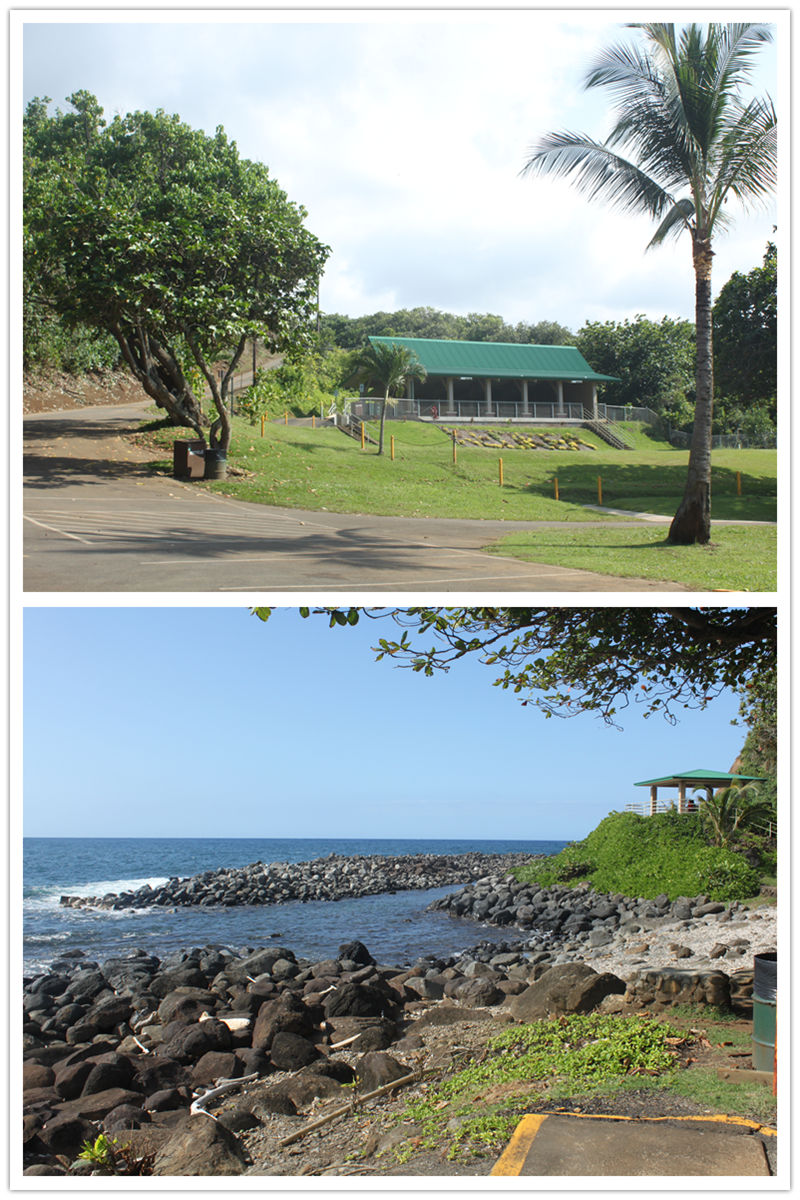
pixel 295 466
pixel 739 558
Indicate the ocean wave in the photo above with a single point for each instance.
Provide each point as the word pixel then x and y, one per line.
pixel 49 896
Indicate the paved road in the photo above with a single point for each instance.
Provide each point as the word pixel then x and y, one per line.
pixel 96 521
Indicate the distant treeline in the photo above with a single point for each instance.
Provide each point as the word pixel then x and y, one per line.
pixel 351 333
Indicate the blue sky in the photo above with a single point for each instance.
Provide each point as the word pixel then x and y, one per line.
pixel 173 722
pixel 403 134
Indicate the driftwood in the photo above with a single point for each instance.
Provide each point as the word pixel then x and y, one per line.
pixel 414 1077
pixel 226 1085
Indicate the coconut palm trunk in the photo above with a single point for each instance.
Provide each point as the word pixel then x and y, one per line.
pixel 696 143
pixel 692 521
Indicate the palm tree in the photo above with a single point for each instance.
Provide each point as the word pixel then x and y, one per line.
pixel 694 143
pixel 728 809
pixel 390 365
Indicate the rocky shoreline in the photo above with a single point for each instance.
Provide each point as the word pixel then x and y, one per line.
pixel 131 1046
pixel 335 877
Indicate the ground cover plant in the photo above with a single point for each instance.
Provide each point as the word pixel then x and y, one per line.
pixel 647 857
pixel 477 1108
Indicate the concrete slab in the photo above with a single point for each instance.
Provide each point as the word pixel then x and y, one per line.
pixel 554 1144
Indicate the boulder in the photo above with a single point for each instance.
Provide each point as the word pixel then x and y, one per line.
pixel 549 993
pixel 291 1051
pixel 586 994
pixel 100 1104
pixel 376 1069
pixel 286 1014
pixel 360 1000
pixel 187 1004
pixel 202 1147
pixel 356 952
pixel 215 1065
pixel 191 1042
pixel 168 1099
pixel 36 1075
pixel 66 1133
pixel 125 1116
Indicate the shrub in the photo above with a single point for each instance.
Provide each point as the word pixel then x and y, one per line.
pixel 648 856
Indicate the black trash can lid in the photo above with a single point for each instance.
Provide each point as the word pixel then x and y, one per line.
pixel 765 975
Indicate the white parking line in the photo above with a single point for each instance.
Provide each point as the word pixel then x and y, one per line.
pixel 52 529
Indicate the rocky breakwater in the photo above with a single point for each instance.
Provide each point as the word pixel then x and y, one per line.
pixel 667 951
pixel 335 877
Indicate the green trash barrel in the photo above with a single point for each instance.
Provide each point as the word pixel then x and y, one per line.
pixel 765 979
pixel 216 464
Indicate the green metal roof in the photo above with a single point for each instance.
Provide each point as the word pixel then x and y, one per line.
pixel 497 360
pixel 702 778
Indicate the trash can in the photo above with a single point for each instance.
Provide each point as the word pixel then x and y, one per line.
pixel 188 460
pixel 765 981
pixel 216 464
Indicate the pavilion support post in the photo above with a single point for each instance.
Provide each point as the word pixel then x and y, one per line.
pixel 526 408
pixel 560 390
pixel 487 389
pixel 653 800
pixel 681 797
pixel 451 404
pixel 594 401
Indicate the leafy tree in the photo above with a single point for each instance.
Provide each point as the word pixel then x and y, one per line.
pixel 694 144
pixel 746 334
pixel 354 332
pixel 391 366
pixel 653 360
pixel 572 660
pixel 168 240
pixel 758 711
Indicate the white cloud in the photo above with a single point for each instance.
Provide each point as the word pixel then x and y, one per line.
pixel 403 134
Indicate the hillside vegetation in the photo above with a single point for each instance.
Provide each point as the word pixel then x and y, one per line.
pixel 647 857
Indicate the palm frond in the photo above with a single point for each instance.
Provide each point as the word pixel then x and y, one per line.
pixel 598 171
pixel 748 156
pixel 677 220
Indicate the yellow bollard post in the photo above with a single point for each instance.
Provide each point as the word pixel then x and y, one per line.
pixel 500 461
pixel 599 489
pixel 455 451
pixel 286 416
pixel 362 435
pixel 738 483
pixel 262 426
pixel 391 446
pixel 313 420
pixel 555 487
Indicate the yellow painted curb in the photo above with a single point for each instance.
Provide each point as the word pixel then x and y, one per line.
pixel 720 1118
pixel 511 1160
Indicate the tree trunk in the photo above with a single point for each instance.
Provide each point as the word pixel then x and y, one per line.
pixel 692 521
pixel 161 378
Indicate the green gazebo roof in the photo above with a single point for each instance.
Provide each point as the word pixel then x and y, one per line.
pixel 702 778
pixel 498 360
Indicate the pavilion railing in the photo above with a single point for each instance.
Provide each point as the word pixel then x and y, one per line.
pixel 469 410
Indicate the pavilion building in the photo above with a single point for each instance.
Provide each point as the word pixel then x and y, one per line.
pixel 699 778
pixel 499 381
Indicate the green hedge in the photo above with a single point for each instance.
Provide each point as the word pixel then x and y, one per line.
pixel 647 857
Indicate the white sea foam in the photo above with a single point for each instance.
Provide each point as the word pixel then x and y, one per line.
pixel 48 898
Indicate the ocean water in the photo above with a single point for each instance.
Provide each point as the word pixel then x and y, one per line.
pixel 395 928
